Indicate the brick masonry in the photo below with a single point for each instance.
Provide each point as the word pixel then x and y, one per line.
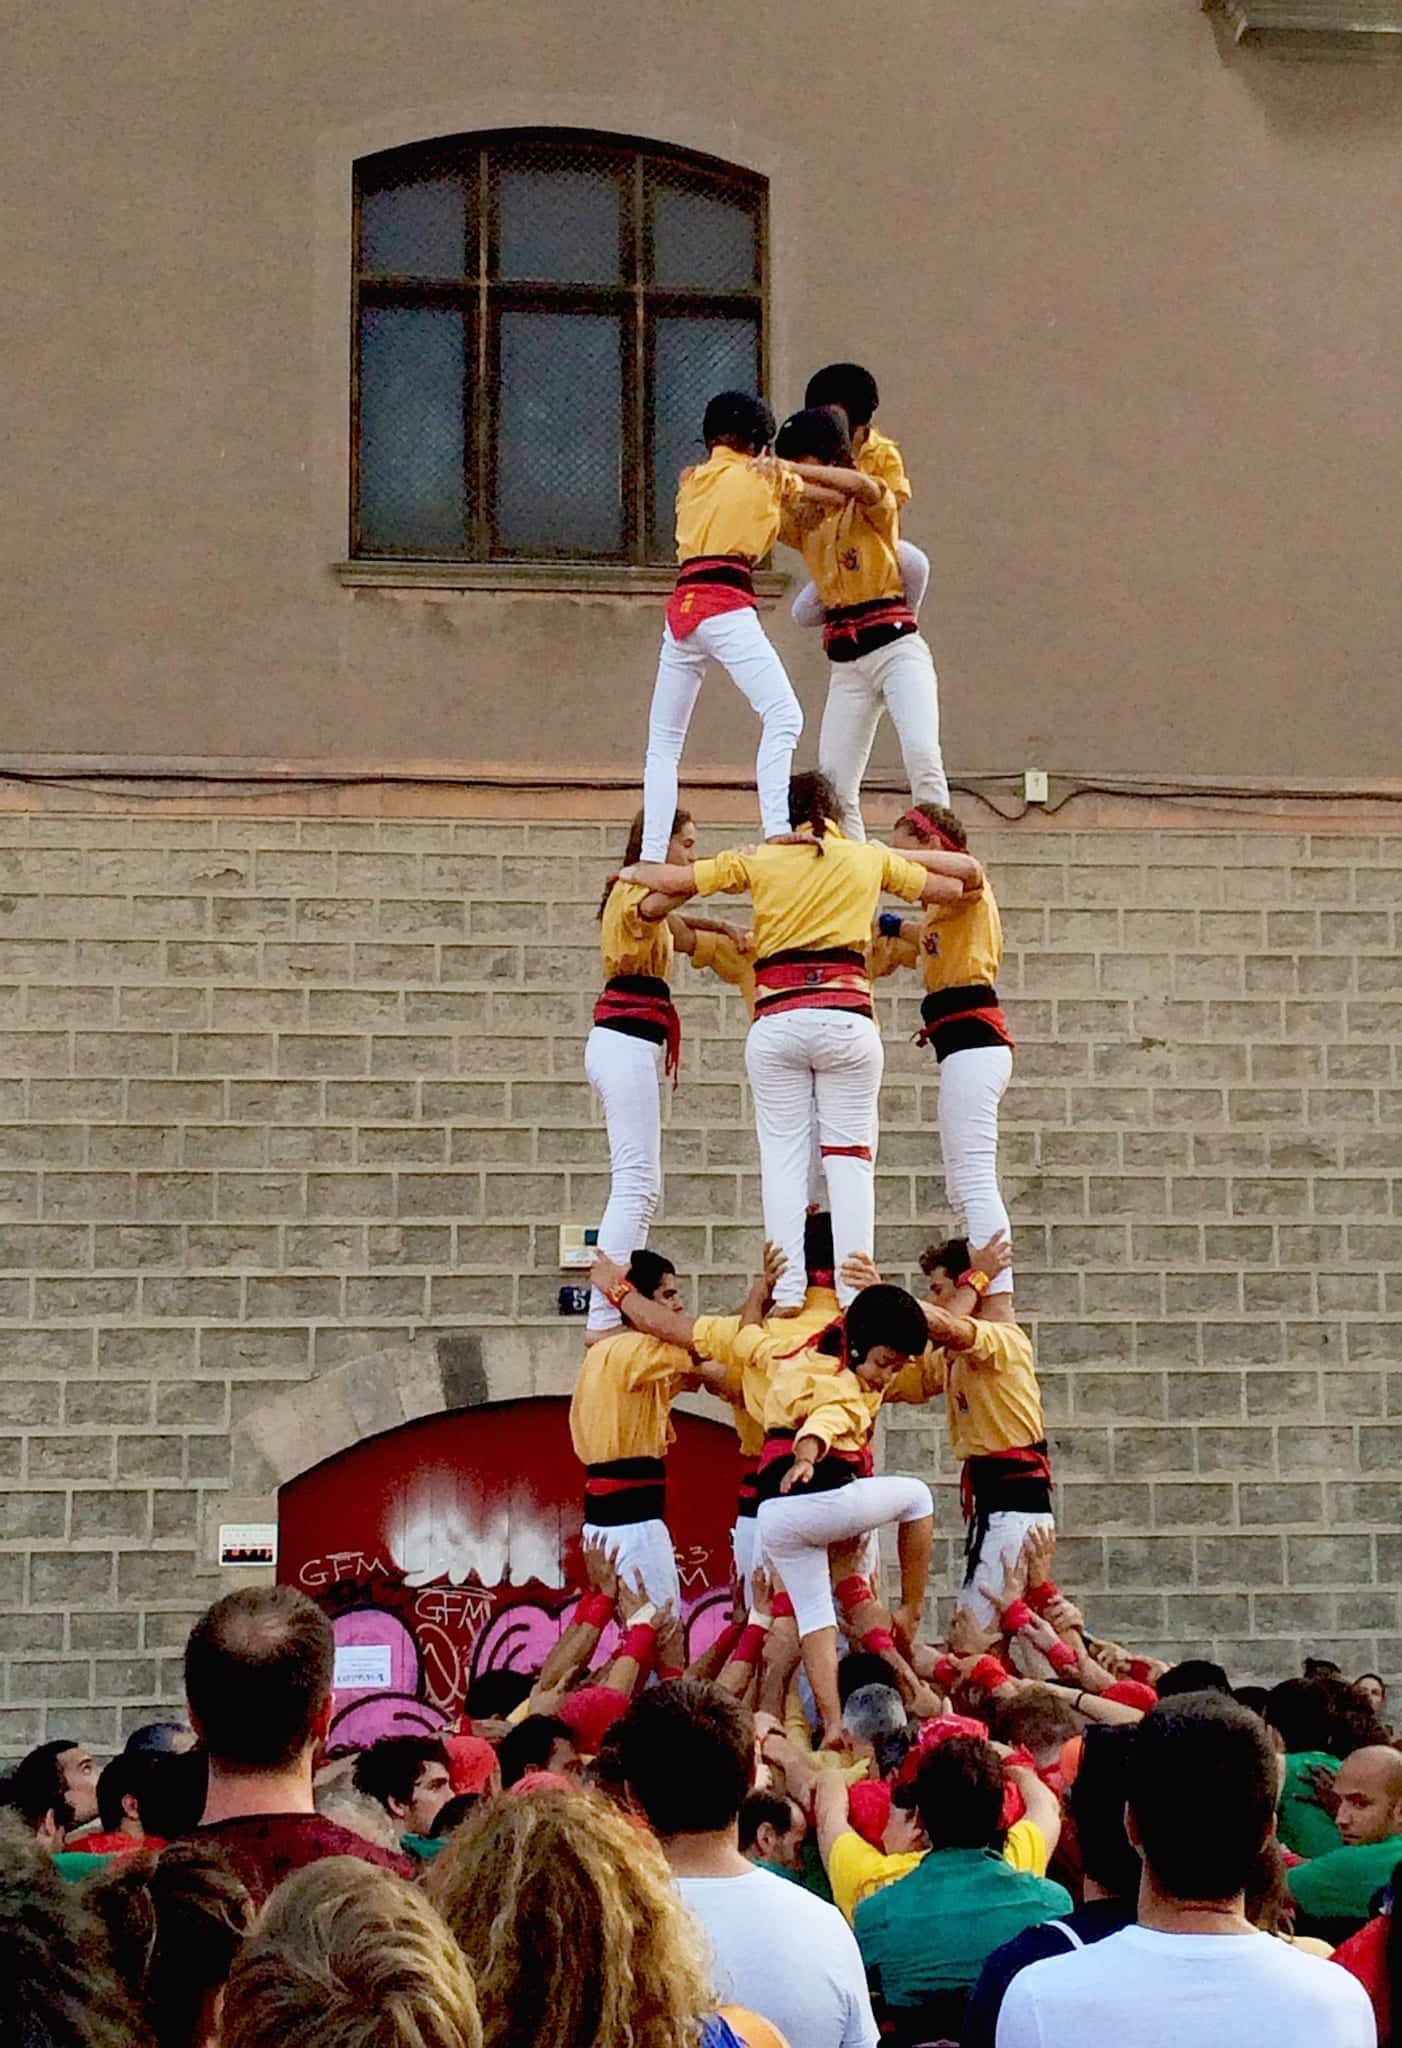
pixel 280 1093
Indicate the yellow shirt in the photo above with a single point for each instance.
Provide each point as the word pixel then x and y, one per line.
pixel 991 1398
pixel 856 1870
pixel 814 1396
pixel 881 458
pixel 804 899
pixel 629 944
pixel 851 556
pixel 962 942
pixel 725 960
pixel 751 1349
pixel 623 1397
pixel 725 507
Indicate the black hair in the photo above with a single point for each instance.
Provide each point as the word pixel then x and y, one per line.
pixel 492 1695
pixel 739 419
pixel 885 1315
pixel 847 385
pixel 951 1257
pixel 959 1794
pixel 157 1738
pixel 390 1768
pixel 633 851
pixel 818 434
pixel 115 1781
pixel 687 1753
pixel 761 1810
pixel 1253 1697
pixel 175 1922
pixel 818 1254
pixel 1096 1803
pixel 859 1668
pixel 1201 1789
pixel 170 1789
pixel 1194 1674
pixel 1301 1711
pixel 647 1270
pixel 257 1674
pixel 1321 1667
pixel 1376 1677
pixel 528 1746
pixel 452 1813
pixel 37 1786
pixel 813 801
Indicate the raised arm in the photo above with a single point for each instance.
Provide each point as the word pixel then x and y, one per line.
pixel 671 879
pixel 655 1319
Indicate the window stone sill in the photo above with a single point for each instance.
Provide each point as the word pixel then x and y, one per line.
pixel 554 578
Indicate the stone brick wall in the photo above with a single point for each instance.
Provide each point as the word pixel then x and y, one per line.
pixel 277 1093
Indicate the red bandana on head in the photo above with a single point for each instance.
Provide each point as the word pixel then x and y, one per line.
pixel 926 826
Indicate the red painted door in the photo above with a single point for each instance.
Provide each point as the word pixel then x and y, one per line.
pixel 452 1547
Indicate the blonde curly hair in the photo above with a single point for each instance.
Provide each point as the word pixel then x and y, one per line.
pixel 575 1934
pixel 347 1955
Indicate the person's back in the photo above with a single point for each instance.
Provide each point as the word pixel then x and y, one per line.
pixel 687 1753
pixel 927 1936
pixel 258 1684
pixel 1201 1800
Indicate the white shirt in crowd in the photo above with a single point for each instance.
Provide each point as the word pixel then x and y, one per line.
pixel 1157 1990
pixel 787 1956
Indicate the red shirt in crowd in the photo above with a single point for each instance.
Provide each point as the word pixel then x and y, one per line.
pixel 267 1847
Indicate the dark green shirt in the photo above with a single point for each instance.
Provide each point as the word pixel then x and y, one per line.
pixel 933 1931
pixel 1301 1824
pixel 1341 1885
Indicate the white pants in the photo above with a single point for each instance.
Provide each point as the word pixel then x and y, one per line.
pixel 1008 1530
pixel 972 1084
pixel 831 1062
pixel 643 1550
pixel 739 643
pixel 626 1075
pixel 744 1542
pixel 899 678
pixel 797 1528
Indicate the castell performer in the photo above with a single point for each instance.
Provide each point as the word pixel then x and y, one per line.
pixel 813 1043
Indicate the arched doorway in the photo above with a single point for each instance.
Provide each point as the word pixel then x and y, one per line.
pixel 451 1546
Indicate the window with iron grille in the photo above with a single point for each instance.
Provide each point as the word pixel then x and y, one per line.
pixel 539 319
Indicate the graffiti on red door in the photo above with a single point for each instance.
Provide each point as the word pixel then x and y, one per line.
pixel 453 1545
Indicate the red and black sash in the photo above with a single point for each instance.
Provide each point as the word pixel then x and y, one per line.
pixel 1019 1480
pixel 641 1006
pixel 834 1469
pixel 706 586
pixel 625 1490
pixel 957 1018
pixel 852 630
pixel 809 978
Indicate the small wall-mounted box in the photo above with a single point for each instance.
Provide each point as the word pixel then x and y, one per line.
pixel 578 1247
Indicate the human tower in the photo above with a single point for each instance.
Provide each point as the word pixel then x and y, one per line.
pixel 820 1342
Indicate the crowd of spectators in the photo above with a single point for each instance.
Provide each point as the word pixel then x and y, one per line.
pixel 1026 1837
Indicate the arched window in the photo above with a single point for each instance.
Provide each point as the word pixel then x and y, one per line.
pixel 539 318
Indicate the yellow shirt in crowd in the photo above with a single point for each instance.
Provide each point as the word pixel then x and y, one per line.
pixel 805 899
pixel 623 1397
pixel 851 555
pixel 729 1342
pixel 629 944
pixel 727 507
pixel 881 458
pixel 962 942
pixel 856 1870
pixel 991 1398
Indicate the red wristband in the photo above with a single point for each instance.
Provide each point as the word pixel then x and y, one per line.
pixel 750 1647
pixel 945 1673
pixel 851 1592
pixel 595 1610
pixel 988 1674
pixel 1141 1670
pixel 1039 1598
pixel 640 1643
pixel 1016 1615
pixel 878 1641
pixel 667 1672
pixel 727 1639
pixel 1062 1657
pixel 781 1607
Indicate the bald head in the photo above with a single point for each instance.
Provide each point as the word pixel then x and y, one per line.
pixel 1369 1786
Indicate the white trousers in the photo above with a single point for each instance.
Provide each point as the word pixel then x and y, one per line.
pixel 744 1542
pixel 643 1550
pixel 739 643
pixel 799 1063
pixel 899 678
pixel 1008 1530
pixel 626 1075
pixel 972 1084
pixel 797 1528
